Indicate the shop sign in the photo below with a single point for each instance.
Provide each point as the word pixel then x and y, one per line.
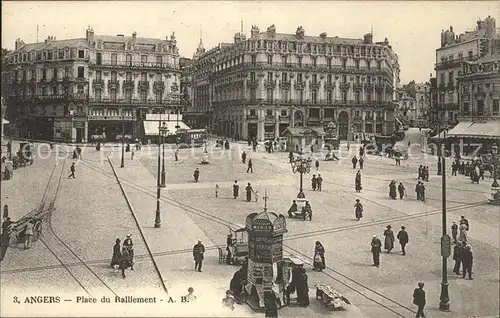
pixel 280 225
pixel 118 118
pixel 262 226
pixel 78 124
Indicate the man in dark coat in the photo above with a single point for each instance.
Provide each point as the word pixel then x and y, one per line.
pixel 72 169
pixel 292 209
pixel 420 173
pixel 115 260
pixel 130 249
pixel 418 191
pixel 319 182
pixel 198 251
pixel 463 220
pixel 401 190
pixel 270 304
pixel 244 157
pixel 250 166
pixel 376 250
pixel 236 189
pixel 357 182
pixel 467 260
pixel 5 237
pixel 457 257
pixel 354 162
pixel 419 300
pixel 314 182
pixel 403 239
pixel 196 174
pixel 302 288
pixel 454 231
pixel 361 162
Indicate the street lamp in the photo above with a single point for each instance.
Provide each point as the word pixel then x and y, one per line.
pixel 444 304
pixel 163 133
pixel 494 153
pixel 123 140
pixel 301 165
pixel 158 184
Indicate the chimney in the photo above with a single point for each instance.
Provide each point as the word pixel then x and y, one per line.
pixel 19 43
pixel 254 31
pixel 323 35
pixel 271 31
pixel 90 35
pixel 134 35
pixel 368 38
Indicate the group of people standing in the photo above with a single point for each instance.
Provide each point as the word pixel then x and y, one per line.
pixel 248 189
pixel 423 173
pixel 123 256
pixel 389 239
pixel 400 189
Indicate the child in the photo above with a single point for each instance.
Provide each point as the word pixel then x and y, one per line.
pixel 256 196
pixel 216 190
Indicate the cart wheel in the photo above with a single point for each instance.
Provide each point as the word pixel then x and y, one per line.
pixel 37 230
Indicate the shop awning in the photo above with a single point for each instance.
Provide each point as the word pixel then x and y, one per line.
pixel 469 129
pixel 4 121
pixel 151 127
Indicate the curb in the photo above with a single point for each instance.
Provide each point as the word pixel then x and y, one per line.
pixel 138 226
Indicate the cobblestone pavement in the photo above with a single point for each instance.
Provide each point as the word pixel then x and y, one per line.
pixel 90 213
pixel 349 252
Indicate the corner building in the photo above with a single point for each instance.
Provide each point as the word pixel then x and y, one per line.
pixel 258 87
pixel 94 87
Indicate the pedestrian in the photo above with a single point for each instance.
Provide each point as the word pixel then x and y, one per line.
pixel 420 172
pixel 361 162
pixel 250 166
pixel 292 209
pixel 196 174
pixel 354 162
pixel 270 305
pixel 418 191
pixel 422 191
pixel 319 182
pixel 398 161
pixel 419 300
pixel 303 288
pixel 392 190
pixel 401 190
pixel 457 257
pixel 348 146
pixel 190 297
pixel 198 251
pixel 28 234
pixel 463 233
pixel 313 182
pixel 124 260
pixel 319 257
pixel 115 260
pixel 454 168
pixel 249 191
pixel 403 239
pixel 236 189
pixel 389 239
pixel 467 260
pixel 290 156
pixel 463 220
pixel 176 154
pixel 228 301
pixel 316 164
pixel 130 250
pixel 132 153
pixel 357 182
pixel 376 250
pixel 454 231
pixel 307 211
pixel 216 190
pixel 256 195
pixel 244 157
pixel 358 210
pixel 72 169
pixel 5 211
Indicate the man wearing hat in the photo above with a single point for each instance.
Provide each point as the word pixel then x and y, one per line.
pixel 130 248
pixel 463 220
pixel 198 251
pixel 457 257
pixel 376 250
pixel 403 239
pixel 454 231
pixel 5 237
pixel 419 300
pixel 467 260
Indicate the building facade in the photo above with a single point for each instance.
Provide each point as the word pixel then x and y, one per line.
pixel 455 49
pixel 92 87
pixel 257 87
pixel 414 104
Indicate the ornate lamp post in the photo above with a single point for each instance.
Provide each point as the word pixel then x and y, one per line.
pixel 494 153
pixel 158 182
pixel 123 141
pixel 163 133
pixel 301 165
pixel 444 304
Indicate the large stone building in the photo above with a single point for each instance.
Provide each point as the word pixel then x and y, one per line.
pixel 479 88
pixel 257 87
pixel 455 49
pixel 414 104
pixel 92 87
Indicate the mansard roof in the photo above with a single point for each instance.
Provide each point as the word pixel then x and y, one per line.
pixel 307 38
pixel 53 44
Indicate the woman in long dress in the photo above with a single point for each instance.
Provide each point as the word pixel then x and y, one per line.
pixel 249 191
pixel 358 182
pixel 392 190
pixel 115 260
pixel 389 239
pixel 358 209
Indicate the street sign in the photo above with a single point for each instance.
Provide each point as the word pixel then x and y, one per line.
pixel 445 246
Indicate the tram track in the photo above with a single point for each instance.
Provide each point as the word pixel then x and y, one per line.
pixel 353 284
pixel 60 249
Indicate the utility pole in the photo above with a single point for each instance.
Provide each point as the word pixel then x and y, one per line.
pixel 444 304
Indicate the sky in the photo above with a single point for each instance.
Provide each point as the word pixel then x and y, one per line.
pixel 412 28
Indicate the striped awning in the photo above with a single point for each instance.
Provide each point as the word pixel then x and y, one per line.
pixel 464 129
pixel 151 127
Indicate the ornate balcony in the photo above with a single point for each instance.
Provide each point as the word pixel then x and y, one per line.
pixel 269 84
pixel 299 85
pixel 143 85
pixel 285 85
pixel 270 119
pixel 112 84
pixel 128 83
pixel 330 86
pixel 315 85
pixel 97 82
pixel 253 84
pixel 159 86
pixel 252 117
pixel 357 86
pixel 345 86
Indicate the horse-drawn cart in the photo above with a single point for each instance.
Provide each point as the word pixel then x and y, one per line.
pixel 36 217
